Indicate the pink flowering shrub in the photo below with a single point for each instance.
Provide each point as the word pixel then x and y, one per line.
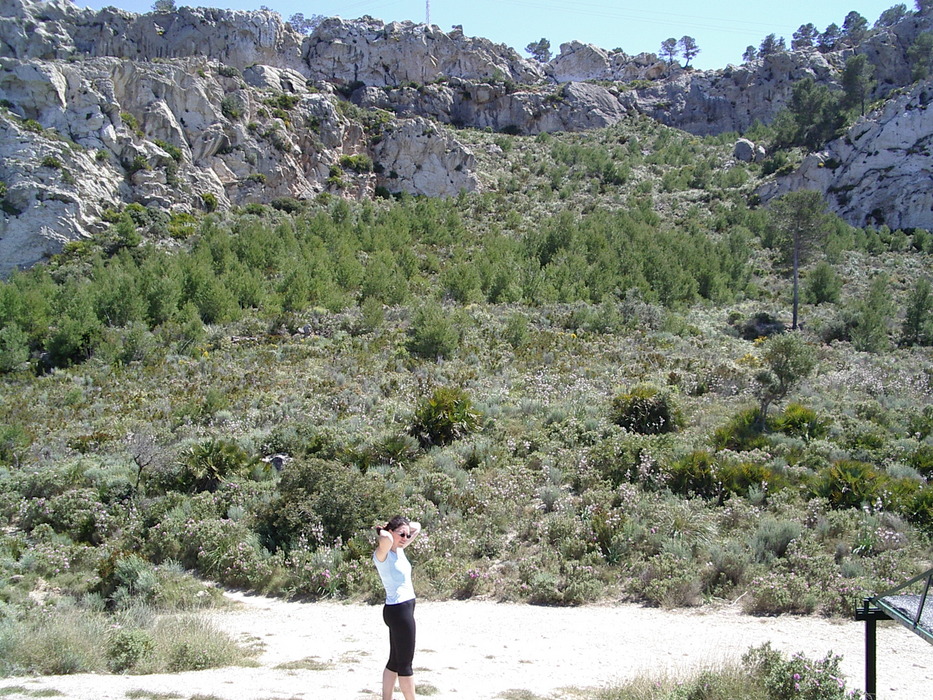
pixel 799 678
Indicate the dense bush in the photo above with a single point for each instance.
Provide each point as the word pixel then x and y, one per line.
pixel 850 484
pixel 432 334
pixel 646 409
pixel 321 502
pixel 205 465
pixel 443 417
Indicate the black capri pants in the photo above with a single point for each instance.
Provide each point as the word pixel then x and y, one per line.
pixel 400 619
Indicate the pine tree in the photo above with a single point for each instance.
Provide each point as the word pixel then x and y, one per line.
pixel 540 50
pixel 802 224
pixel 805 37
pixel 670 50
pixel 689 49
pixel 857 82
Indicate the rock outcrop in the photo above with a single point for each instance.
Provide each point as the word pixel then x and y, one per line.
pixel 205 108
pixel 879 172
pixel 190 110
pixel 371 52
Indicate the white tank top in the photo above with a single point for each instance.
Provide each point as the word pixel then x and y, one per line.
pixel 395 573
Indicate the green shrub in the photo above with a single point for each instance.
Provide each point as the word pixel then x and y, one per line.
pixel 797 678
pixel 75 338
pixel 849 484
pixel 922 460
pixel 127 579
pixel 127 647
pixel 42 644
pixel 195 644
pixel 748 478
pixel 760 325
pixel 138 163
pixel 516 331
pixel 131 121
pixel 629 457
pixel 173 150
pixel 696 474
pixel 206 464
pixel 741 433
pixel 51 162
pixel 231 107
pixel 14 348
pixel 799 421
pixel 209 201
pixel 772 538
pixel 322 501
pixel 822 285
pixel 646 410
pixel 282 101
pixel 77 512
pixel 670 582
pixel 33 126
pixel 432 335
pixel 918 508
pixel 779 593
pixel 290 205
pixel 361 162
pixel 445 416
pixel 13 441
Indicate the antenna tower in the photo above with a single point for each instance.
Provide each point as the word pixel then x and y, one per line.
pixel 427 12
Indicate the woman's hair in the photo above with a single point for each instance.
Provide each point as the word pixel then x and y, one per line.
pixel 396 523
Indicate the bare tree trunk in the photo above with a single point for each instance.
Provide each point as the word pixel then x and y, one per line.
pixel 796 276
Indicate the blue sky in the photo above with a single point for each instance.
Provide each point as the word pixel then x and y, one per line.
pixel 721 29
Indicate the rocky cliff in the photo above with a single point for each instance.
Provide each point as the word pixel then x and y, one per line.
pixel 880 172
pixel 205 108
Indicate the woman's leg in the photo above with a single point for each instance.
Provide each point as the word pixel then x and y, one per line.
pixel 407 686
pixel 405 639
pixel 388 684
pixel 400 620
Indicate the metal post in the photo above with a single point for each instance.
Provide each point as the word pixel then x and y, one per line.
pixel 871 679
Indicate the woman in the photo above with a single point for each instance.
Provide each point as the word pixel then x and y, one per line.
pixel 399 610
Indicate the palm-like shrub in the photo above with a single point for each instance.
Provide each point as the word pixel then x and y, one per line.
pixel 799 421
pixel 445 416
pixel 647 410
pixel 696 474
pixel 207 464
pixel 849 483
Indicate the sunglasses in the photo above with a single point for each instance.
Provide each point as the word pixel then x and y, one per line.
pixel 406 535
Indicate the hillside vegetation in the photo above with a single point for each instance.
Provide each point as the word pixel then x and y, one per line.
pixel 581 381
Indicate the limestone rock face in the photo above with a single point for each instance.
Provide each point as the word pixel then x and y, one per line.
pixel 730 99
pixel 500 107
pixel 58 29
pixel 419 158
pixel 578 62
pixel 879 173
pixel 204 107
pixel 182 111
pixel 371 52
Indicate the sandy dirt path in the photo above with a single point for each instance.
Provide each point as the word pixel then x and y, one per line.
pixel 478 650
